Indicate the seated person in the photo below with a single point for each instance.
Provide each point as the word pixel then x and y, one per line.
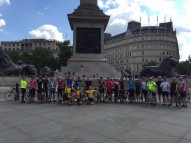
pixel 78 95
pixel 90 95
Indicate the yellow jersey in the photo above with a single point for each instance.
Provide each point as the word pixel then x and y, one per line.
pixel 23 84
pixel 90 93
pixel 78 94
pixel 68 90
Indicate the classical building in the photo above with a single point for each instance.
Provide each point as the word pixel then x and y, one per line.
pixel 139 45
pixel 28 45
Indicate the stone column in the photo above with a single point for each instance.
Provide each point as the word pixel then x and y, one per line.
pixel 94 2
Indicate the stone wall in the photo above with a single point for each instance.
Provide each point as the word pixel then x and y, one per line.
pixel 8 81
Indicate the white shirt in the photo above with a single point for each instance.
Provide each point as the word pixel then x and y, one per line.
pixel 165 86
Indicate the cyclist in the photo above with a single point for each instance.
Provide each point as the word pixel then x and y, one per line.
pixel 138 90
pixel 68 91
pixel 23 86
pixel 116 90
pixel 101 89
pixel 122 90
pixel 151 86
pixel 165 86
pixel 109 89
pixel 182 89
pixel 159 88
pixel 60 89
pixel 45 87
pixel 173 92
pixel 144 89
pixel 40 89
pixel 33 85
pixel 78 95
pixel 52 87
pixel 90 96
pixel 131 90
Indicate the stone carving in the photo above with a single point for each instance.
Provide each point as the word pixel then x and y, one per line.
pixel 166 68
pixel 46 71
pixel 7 67
pixel 88 40
pixel 126 73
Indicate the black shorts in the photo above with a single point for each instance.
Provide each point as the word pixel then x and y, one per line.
pixel 165 93
pixel 122 91
pixel 101 90
pixel 131 92
pixel 173 93
pixel 137 92
pixel 159 92
pixel 90 99
pixel 109 91
pixel 145 92
pixel 183 94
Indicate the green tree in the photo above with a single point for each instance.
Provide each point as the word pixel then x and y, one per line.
pixel 184 68
pixel 65 52
pixel 151 63
pixel 41 57
pixel 15 56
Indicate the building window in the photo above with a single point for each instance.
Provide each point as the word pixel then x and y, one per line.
pixel 142 53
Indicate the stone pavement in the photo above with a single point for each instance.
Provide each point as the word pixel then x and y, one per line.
pixel 100 123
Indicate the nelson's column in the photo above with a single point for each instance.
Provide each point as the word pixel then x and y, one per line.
pixel 88 23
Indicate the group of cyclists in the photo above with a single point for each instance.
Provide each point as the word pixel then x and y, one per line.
pixel 84 90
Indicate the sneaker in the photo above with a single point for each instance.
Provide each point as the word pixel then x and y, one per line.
pixel 169 105
pixel 176 105
pixel 183 105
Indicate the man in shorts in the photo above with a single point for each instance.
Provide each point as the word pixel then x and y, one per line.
pixel 182 90
pixel 165 86
pixel 152 87
pixel 159 88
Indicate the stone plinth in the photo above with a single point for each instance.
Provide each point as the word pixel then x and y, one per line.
pixel 88 23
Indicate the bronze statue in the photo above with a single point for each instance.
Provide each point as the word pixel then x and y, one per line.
pixel 7 67
pixel 166 68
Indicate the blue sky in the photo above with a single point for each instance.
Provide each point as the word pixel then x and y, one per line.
pixel 21 19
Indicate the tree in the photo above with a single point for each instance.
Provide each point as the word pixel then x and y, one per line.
pixel 184 68
pixel 41 57
pixel 15 56
pixel 151 63
pixel 65 52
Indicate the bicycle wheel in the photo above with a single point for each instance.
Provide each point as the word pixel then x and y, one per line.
pixel 9 96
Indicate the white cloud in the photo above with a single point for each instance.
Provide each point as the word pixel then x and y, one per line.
pixel 46 32
pixel 123 11
pixel 2 2
pixel 2 23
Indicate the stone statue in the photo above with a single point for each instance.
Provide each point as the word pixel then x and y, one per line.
pixel 46 71
pixel 126 73
pixel 166 68
pixel 7 67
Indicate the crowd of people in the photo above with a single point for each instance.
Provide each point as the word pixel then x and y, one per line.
pixel 71 90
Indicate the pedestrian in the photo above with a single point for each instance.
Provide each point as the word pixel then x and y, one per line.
pixel 23 86
pixel 165 86
pixel 152 87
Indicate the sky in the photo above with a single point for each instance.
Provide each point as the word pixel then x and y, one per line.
pixel 21 19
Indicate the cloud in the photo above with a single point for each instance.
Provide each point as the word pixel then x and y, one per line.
pixel 4 2
pixel 46 32
pixel 123 11
pixel 2 23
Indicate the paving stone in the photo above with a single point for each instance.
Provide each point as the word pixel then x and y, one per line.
pixel 74 136
pixel 78 120
pixel 14 136
pixel 188 136
pixel 175 120
pixel 165 128
pixel 44 129
pixel 143 136
pixel 184 141
pixel 107 128
pixel 112 141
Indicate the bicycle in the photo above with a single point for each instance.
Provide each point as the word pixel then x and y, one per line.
pixel 13 95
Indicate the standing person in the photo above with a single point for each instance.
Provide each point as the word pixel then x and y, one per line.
pixel 23 86
pixel 40 89
pixel 182 89
pixel 131 90
pixel 45 83
pixel 33 85
pixel 152 87
pixel 159 88
pixel 109 89
pixel 60 89
pixel 88 83
pixel 144 89
pixel 102 89
pixel 52 87
pixel 165 86
pixel 116 90
pixel 122 90
pixel 138 90
pixel 173 92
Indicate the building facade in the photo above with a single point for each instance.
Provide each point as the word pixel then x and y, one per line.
pixel 141 45
pixel 28 45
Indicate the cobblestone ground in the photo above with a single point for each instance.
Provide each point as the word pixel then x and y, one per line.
pixel 100 123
